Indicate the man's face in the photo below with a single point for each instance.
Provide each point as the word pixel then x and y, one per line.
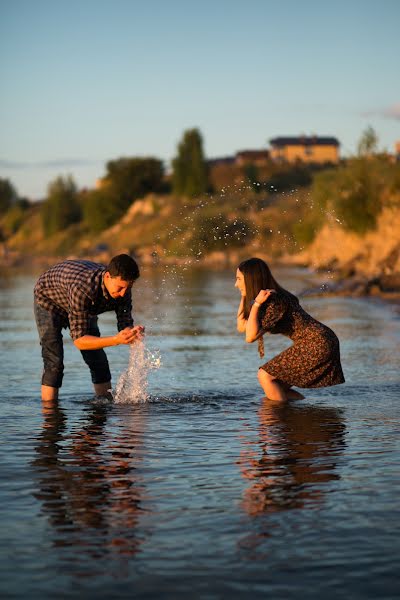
pixel 116 286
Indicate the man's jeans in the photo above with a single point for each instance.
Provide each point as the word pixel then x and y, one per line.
pixel 50 327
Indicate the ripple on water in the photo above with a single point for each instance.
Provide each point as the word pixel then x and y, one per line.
pixel 204 489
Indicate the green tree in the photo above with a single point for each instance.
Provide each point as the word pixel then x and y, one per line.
pixel 99 211
pixel 357 202
pixel 189 176
pixel 8 195
pixel 128 179
pixel 15 216
pixel 368 143
pixel 61 207
pixel 351 193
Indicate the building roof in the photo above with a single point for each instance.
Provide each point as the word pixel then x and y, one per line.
pixel 303 140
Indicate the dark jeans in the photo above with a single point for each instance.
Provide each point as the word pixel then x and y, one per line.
pixel 50 327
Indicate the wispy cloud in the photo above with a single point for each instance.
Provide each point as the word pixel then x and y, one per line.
pixel 390 112
pixel 393 112
pixel 63 163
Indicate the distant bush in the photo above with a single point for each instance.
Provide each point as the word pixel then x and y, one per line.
pixel 61 207
pixel 304 231
pixel 395 180
pixel 14 217
pixel 98 209
pixel 128 179
pixel 8 195
pixel 358 199
pixel 355 193
pixel 217 232
pixel 287 177
pixel 251 174
pixel 352 194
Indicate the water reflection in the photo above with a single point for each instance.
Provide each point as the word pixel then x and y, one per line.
pixel 293 459
pixel 88 482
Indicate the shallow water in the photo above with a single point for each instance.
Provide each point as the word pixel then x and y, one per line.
pixel 206 490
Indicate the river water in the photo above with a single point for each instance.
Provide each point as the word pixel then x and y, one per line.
pixel 206 490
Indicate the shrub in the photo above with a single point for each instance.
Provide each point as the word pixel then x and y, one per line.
pixel 61 207
pixel 216 232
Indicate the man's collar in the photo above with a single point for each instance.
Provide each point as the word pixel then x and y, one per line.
pixel 103 287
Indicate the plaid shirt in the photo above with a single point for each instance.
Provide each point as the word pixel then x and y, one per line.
pixel 74 289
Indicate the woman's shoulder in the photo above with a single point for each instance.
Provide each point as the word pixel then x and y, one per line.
pixel 275 308
pixel 281 296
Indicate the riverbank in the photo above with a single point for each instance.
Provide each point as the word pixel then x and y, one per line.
pixel 160 233
pixel 367 265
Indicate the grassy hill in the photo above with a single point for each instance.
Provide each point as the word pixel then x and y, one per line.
pixel 339 220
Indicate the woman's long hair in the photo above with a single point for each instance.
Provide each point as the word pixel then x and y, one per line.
pixel 257 276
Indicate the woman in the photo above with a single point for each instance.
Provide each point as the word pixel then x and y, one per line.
pixel 266 307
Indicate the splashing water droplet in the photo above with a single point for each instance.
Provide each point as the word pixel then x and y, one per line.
pixel 132 384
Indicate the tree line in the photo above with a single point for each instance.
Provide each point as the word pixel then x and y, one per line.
pixel 354 191
pixel 125 180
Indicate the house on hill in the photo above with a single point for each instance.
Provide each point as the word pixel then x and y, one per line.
pixel 312 149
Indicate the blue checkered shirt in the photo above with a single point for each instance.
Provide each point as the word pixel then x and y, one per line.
pixel 74 289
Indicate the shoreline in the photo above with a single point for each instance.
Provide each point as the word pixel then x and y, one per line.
pixel 341 282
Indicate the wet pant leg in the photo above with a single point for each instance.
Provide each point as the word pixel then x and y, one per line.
pixel 96 360
pixel 50 327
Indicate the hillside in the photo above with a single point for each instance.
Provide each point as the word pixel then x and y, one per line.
pixel 345 222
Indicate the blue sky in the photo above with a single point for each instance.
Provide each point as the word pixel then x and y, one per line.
pixel 87 81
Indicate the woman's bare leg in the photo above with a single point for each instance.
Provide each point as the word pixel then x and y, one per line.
pixel 273 388
pixel 292 394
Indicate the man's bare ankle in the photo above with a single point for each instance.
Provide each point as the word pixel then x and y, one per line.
pixel 49 393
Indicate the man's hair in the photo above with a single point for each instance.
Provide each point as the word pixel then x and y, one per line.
pixel 123 266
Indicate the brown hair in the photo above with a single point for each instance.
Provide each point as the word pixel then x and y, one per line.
pixel 257 276
pixel 123 266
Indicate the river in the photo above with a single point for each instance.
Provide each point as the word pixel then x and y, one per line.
pixel 206 490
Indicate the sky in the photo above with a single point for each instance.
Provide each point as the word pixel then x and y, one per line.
pixel 87 81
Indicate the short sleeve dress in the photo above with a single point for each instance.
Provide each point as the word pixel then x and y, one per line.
pixel 314 358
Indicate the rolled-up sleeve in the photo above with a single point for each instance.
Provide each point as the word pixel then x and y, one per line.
pixel 124 312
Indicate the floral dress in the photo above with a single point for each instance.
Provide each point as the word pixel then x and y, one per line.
pixel 314 358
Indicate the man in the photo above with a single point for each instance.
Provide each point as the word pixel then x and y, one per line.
pixel 72 294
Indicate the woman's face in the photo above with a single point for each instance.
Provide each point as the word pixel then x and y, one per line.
pixel 240 282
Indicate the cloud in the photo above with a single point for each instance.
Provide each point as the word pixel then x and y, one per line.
pixel 393 112
pixel 65 163
pixel 390 112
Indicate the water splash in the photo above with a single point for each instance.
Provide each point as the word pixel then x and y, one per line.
pixel 132 384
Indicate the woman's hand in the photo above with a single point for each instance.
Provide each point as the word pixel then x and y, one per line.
pixel 263 295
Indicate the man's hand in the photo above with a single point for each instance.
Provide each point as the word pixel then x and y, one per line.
pixel 139 332
pixel 129 335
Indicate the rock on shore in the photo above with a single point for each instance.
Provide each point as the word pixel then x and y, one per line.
pixel 362 265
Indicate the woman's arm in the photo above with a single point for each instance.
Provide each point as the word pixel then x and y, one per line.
pixel 253 328
pixel 241 321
